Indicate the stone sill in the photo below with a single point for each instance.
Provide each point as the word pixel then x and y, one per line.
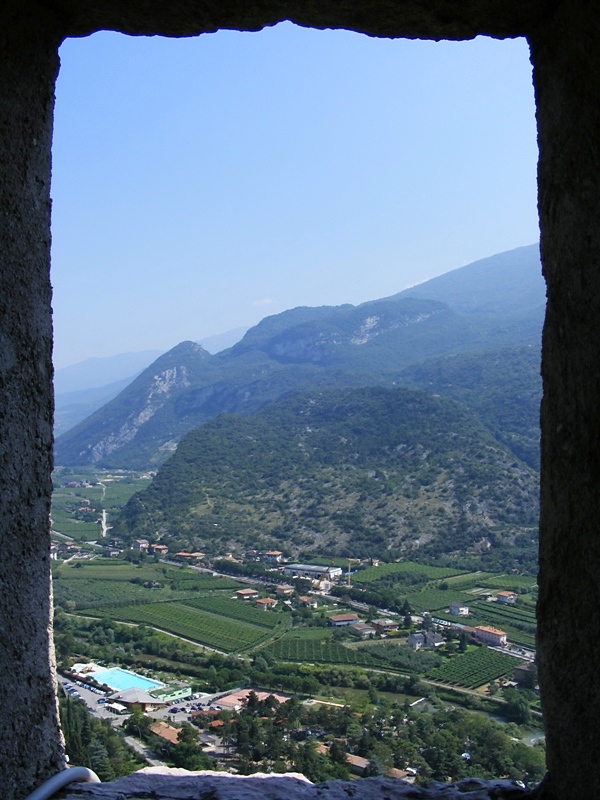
pixel 161 783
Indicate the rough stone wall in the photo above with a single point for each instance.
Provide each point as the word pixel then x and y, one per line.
pixel 565 39
pixel 427 19
pixel 30 746
pixel 566 58
pixel 178 784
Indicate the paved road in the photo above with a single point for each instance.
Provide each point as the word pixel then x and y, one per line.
pixel 144 752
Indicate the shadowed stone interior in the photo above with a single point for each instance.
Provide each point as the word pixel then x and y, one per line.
pixel 564 37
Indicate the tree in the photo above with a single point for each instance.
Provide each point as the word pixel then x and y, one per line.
pixel 374 769
pixel 187 734
pixel 252 703
pixel 517 707
pixel 138 724
pixel 337 752
pixel 99 761
pixel 189 756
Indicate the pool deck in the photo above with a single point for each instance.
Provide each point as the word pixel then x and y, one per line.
pixel 116 677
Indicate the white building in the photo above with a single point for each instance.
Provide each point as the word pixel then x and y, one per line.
pixel 489 635
pixel 458 609
pixel 313 571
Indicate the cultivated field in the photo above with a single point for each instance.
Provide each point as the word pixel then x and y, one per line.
pixel 77 509
pixel 475 668
pixel 212 631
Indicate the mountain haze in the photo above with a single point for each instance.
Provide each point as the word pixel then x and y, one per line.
pixel 82 388
pixel 314 348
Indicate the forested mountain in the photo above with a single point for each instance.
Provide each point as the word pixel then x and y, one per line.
pixel 361 472
pixel 318 348
pixel 504 389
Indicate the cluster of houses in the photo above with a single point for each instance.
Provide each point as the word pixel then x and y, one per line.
pixel 485 634
pixel 63 549
pixel 420 639
pixel 432 639
pixel 505 598
pixel 365 630
pixel 144 546
pixel 282 592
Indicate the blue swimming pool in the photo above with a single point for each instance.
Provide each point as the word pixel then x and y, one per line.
pixel 122 679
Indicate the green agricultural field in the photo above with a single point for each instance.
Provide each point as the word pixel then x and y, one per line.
pixel 466 582
pixel 528 601
pixel 120 490
pixel 111 570
pixel 475 668
pixel 240 611
pixel 192 581
pixel 500 613
pixel 219 633
pixel 64 524
pixel 519 623
pixel 312 651
pixel 89 596
pixel 434 600
pixel 102 584
pixel 512 583
pixel 316 634
pixel 72 513
pixel 372 574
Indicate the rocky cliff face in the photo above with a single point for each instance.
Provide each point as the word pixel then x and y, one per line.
pixel 162 386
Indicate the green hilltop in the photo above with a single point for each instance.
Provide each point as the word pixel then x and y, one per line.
pixel 351 472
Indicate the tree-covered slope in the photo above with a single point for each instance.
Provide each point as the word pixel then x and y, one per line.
pixel 361 472
pixel 504 389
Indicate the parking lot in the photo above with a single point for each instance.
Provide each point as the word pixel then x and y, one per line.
pixel 178 712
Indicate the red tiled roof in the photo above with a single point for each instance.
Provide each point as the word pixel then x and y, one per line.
pixel 167 732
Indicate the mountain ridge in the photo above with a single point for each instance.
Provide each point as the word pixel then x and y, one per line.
pixel 305 347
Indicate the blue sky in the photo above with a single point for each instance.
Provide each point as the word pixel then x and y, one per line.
pixel 202 184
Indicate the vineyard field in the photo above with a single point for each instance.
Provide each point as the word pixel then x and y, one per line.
pixel 207 629
pixel 510 582
pixel 506 614
pixel 317 634
pixel 474 669
pixel 372 574
pixel 312 651
pixel 238 610
pixel 434 599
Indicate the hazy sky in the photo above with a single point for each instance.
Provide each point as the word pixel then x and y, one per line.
pixel 202 184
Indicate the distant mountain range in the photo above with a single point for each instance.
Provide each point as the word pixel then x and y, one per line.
pixel 82 388
pixel 491 305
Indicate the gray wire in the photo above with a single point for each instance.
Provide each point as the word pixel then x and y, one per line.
pixel 61 779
